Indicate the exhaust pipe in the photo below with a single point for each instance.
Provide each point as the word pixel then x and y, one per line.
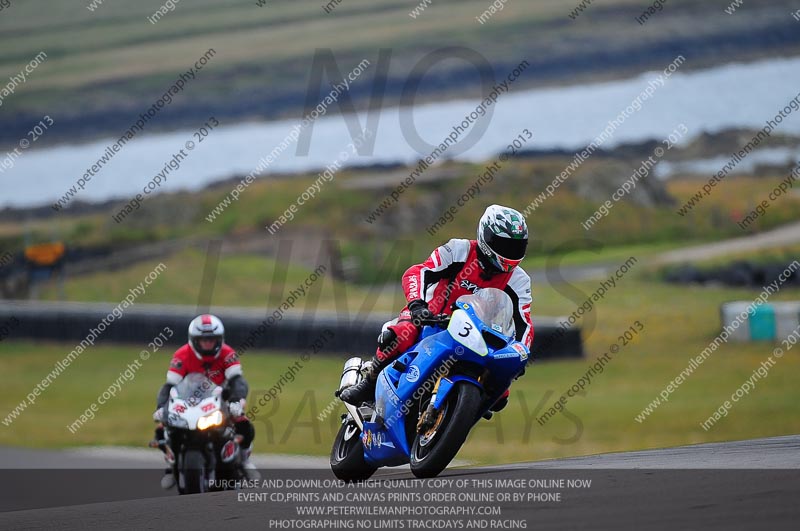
pixel 351 374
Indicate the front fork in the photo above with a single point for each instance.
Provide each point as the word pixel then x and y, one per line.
pixel 443 386
pixel 428 419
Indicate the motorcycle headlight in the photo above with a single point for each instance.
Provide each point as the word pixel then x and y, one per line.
pixel 214 419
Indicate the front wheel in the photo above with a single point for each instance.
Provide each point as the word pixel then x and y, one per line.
pixel 347 455
pixel 433 450
pixel 193 472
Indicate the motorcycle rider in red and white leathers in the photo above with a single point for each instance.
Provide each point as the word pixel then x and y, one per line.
pixel 457 268
pixel 207 353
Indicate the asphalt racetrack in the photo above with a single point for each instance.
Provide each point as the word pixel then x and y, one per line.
pixel 751 484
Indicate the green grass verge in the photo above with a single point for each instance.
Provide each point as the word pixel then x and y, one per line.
pixel 241 280
pixel 679 322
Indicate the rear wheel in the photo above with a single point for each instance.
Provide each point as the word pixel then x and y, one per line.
pixel 433 449
pixel 347 454
pixel 194 472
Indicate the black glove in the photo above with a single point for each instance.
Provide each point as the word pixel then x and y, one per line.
pixel 419 311
pixel 237 389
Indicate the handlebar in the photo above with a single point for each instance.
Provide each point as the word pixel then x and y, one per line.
pixel 436 320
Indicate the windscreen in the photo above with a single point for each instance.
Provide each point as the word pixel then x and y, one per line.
pixel 494 308
pixel 194 388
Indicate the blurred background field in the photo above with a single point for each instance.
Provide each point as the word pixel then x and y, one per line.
pixel 679 322
pixel 105 67
pixel 645 225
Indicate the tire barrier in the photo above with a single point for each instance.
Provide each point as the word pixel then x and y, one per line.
pixel 744 274
pixel 70 322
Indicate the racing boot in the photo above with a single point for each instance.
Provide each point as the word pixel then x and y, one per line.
pixel 502 402
pixel 363 391
pixel 250 470
pixel 168 480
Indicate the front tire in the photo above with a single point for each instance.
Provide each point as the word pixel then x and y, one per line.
pixel 347 455
pixel 433 450
pixel 194 464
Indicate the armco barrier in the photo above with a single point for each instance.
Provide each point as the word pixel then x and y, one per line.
pixel 70 322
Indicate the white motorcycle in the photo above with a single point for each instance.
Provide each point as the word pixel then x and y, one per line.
pixel 202 446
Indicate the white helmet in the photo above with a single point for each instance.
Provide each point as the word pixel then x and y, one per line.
pixel 206 327
pixel 502 237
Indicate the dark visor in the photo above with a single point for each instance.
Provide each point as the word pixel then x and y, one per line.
pixel 511 248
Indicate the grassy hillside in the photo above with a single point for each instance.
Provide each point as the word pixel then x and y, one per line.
pixel 106 66
pixel 341 210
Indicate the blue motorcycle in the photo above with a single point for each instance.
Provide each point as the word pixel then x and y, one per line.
pixel 428 400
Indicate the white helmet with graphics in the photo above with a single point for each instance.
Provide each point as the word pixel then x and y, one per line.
pixel 206 336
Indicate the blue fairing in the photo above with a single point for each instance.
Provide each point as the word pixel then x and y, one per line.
pixel 416 373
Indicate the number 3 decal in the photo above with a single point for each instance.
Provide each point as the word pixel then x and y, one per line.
pixel 467 329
